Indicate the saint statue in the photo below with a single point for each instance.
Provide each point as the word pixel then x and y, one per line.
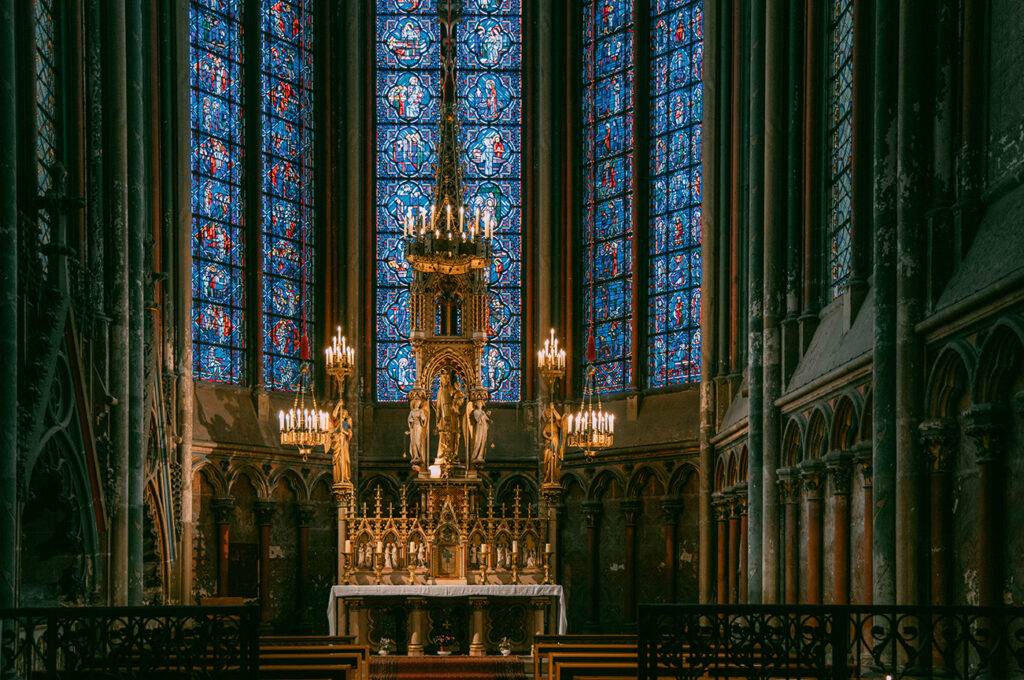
pixel 479 424
pixel 554 444
pixel 450 399
pixel 417 433
pixel 340 440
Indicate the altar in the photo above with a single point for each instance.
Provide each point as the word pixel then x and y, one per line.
pixel 476 616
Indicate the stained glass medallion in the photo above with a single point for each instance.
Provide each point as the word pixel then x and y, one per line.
pixel 218 199
pixel 607 238
pixel 673 340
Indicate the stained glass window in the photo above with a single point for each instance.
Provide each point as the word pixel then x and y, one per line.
pixel 490 102
pixel 287 189
pixel 841 137
pixel 46 112
pixel 218 198
pixel 608 188
pixel 673 326
pixel 408 76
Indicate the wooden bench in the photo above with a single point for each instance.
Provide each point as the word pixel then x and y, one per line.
pixel 558 655
pixel 329 661
pixel 286 640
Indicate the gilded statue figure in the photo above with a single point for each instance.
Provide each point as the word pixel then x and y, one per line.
pixel 340 440
pixel 479 424
pixel 417 432
pixel 450 399
pixel 554 444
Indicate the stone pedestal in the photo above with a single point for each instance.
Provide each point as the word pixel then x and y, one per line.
pixel 477 633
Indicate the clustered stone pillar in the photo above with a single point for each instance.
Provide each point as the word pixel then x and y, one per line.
pixel 734 548
pixel 837 464
pixel 264 517
pixel 630 507
pixel 592 510
pixel 789 495
pixel 812 476
pixel 222 508
pixel 741 506
pixel 982 425
pixel 306 518
pixel 862 458
pixel 416 631
pixel 721 507
pixel 670 518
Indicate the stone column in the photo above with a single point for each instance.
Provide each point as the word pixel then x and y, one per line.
pixel 540 614
pixel 356 620
pixel 592 510
pixel 721 508
pixel 343 500
pixel 837 464
pixel 734 548
pixel 789 496
pixel 222 508
pixel 306 518
pixel 670 507
pixel 630 507
pixel 982 424
pixel 938 442
pixel 478 633
pixel 416 630
pixel 741 507
pixel 264 517
pixel 8 310
pixel 812 474
pixel 883 370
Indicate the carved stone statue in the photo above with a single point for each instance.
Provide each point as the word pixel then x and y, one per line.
pixel 479 424
pixel 340 440
pixel 417 433
pixel 554 444
pixel 450 399
pixel 421 556
pixel 388 564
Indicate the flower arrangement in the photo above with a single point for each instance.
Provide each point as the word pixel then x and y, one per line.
pixel 445 641
pixel 505 646
pixel 387 645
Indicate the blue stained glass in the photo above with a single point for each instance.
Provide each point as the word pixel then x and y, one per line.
pixel 287 161
pixel 218 199
pixel 673 330
pixel 408 100
pixel 607 238
pixel 489 87
pixel 839 230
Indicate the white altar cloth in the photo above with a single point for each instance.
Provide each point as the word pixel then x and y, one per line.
pixel 533 590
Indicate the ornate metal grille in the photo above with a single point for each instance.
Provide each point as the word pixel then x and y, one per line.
pixel 130 642
pixel 833 642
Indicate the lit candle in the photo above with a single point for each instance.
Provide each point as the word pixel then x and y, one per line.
pixel 380 546
pixel 461 213
pixel 515 546
pixel 348 546
pixel 280 417
pixel 448 218
pixel 412 546
pixel 547 547
pixel 433 217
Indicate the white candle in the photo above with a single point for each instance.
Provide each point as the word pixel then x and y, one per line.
pixel 348 546
pixel 461 212
pixel 380 546
pixel 515 546
pixel 280 417
pixel 547 547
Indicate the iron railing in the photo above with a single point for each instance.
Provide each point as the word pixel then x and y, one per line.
pixel 154 643
pixel 688 641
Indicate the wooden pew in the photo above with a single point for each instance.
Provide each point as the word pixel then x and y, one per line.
pixel 555 653
pixel 330 661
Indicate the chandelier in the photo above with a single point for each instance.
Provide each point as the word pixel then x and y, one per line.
pixel 301 427
pixel 590 428
pixel 340 358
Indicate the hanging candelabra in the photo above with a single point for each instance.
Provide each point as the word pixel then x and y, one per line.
pixel 551 362
pixel 590 428
pixel 302 427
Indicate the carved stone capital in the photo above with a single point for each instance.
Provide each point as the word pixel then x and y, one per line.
pixel 789 485
pixel 306 514
pixel 837 465
pixel 630 508
pixel 265 508
pixel 417 603
pixel 738 501
pixel 353 603
pixel 720 505
pixel 478 602
pixel 812 474
pixel 540 603
pixel 938 440
pixel 343 493
pixel 592 510
pixel 982 423
pixel 670 506
pixel 222 508
pixel 862 458
pixel 551 494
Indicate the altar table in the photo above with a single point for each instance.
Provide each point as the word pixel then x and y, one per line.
pixel 335 613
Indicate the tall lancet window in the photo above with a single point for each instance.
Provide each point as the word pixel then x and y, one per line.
pixel 408 94
pixel 218 192
pixel 607 238
pixel 838 236
pixel 489 58
pixel 47 111
pixel 490 103
pixel 287 189
pixel 673 343
pixel 225 195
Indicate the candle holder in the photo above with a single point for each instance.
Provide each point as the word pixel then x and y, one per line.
pixel 515 568
pixel 411 567
pixel 347 574
pixel 378 566
pixel 547 569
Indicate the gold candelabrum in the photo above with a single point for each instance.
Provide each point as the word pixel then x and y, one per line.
pixel 302 427
pixel 590 428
